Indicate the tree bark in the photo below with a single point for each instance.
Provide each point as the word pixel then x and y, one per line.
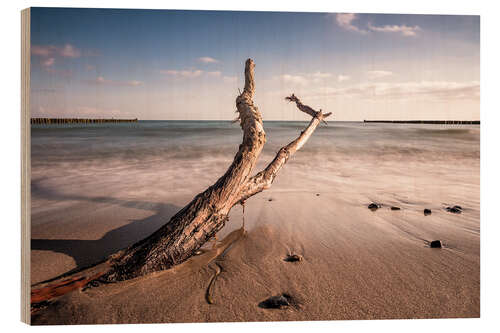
pixel 208 212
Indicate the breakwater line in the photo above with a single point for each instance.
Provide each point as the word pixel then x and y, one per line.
pixel 43 121
pixel 447 122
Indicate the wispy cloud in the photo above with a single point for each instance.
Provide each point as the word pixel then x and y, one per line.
pixel 49 62
pixel 447 90
pixel 377 74
pixel 294 79
pixel 70 51
pixel 182 73
pixel 304 79
pixel 103 81
pixel 207 60
pixel 404 30
pixel 342 78
pixel 66 51
pixel 81 112
pixel 345 21
pixel 89 111
pixel 198 73
pixel 215 73
pixel 43 51
pixel 318 76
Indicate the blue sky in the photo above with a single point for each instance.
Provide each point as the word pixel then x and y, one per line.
pixel 159 64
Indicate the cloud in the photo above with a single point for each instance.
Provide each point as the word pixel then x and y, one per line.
pixel 88 111
pixel 102 81
pixel 319 76
pixel 66 51
pixel 342 78
pixel 304 79
pixel 70 51
pixel 344 20
pixel 294 79
pixel 372 75
pixel 195 73
pixel 43 51
pixel 183 73
pixel 440 90
pixel 81 112
pixel 207 60
pixel 49 62
pixel 215 73
pixel 404 30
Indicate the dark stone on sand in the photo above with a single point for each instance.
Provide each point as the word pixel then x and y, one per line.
pixel 436 244
pixel 317 194
pixel 270 199
pixel 373 206
pixel 455 209
pixel 395 208
pixel 293 258
pixel 427 211
pixel 276 302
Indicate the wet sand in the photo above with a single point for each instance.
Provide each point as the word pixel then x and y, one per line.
pixel 357 264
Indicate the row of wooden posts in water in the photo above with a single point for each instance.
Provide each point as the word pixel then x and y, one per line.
pixel 113 120
pixel 448 122
pixel 45 121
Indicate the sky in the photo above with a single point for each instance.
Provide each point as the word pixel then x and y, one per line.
pixel 162 64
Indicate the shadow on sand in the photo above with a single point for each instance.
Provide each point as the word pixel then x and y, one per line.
pixel 87 252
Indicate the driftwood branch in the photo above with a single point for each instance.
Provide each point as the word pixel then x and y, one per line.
pixel 206 214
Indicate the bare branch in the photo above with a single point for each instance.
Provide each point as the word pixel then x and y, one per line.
pixel 305 108
pixel 264 179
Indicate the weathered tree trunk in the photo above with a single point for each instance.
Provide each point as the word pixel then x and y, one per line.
pixel 208 212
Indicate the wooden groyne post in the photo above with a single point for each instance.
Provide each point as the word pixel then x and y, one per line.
pixel 446 122
pixel 46 121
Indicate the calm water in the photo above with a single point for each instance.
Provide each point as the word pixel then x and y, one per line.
pixel 183 140
pixel 167 158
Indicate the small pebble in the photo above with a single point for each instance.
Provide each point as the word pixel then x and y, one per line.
pixel 270 199
pixel 293 258
pixel 395 208
pixel 454 209
pixel 373 206
pixel 317 194
pixel 436 244
pixel 427 211
pixel 275 302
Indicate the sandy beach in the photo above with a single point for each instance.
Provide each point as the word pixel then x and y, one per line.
pixel 357 263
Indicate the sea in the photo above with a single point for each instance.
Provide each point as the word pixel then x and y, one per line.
pixel 166 159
